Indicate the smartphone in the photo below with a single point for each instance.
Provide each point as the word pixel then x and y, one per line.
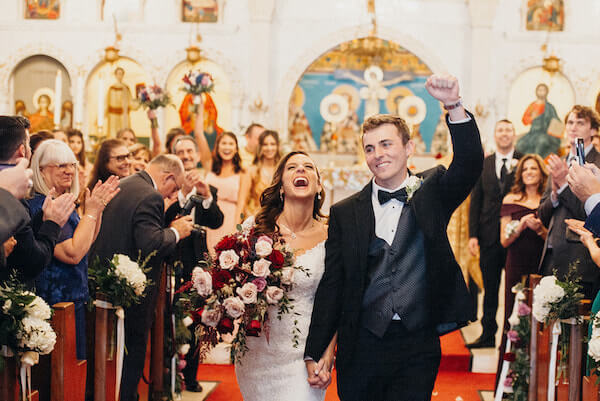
pixel 580 151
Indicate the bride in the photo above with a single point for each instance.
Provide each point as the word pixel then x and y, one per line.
pixel 274 369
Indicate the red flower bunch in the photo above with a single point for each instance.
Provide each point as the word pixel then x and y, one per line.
pixel 249 274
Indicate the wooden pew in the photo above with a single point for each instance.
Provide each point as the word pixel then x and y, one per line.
pixel 9 380
pixel 157 360
pixel 104 354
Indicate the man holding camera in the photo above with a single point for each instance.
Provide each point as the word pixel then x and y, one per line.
pixel 563 247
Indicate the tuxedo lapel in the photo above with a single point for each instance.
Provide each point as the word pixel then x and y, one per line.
pixel 365 225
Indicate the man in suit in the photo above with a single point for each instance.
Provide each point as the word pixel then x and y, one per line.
pixel 562 247
pixel 392 286
pixel 484 224
pixel 584 182
pixel 35 240
pixel 193 249
pixel 133 225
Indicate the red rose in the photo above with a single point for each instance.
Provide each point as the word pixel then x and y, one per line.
pixel 197 315
pixel 184 287
pixel 276 259
pixel 220 278
pixel 253 328
pixel 225 326
pixel 226 243
pixel 509 356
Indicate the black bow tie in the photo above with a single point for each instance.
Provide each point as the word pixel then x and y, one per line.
pixel 385 196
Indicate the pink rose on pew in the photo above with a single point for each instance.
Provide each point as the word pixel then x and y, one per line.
pixel 512 336
pixel 524 309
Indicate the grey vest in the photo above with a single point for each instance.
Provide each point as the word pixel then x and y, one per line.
pixel 396 281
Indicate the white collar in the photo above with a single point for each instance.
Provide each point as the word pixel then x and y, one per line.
pixel 507 156
pixel 377 188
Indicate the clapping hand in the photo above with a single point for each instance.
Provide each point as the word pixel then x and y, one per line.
pixel 584 181
pixel 576 226
pixel 17 179
pixel 58 209
pixel 101 195
pixel 558 171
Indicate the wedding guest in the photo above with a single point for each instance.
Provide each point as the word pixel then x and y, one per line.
pixel 36 240
pixel 77 145
pixel 60 135
pixel 521 231
pixel 127 135
pixel 139 154
pixel 585 184
pixel 112 159
pixel 39 137
pixel 261 172
pixel 65 279
pixel 226 174
pixel 248 151
pixel 560 203
pixel 172 136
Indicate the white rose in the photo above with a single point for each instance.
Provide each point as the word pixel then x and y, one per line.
pixel 202 282
pixel 211 317
pixel 261 268
pixel 594 349
pixel 187 321
pixel 38 308
pixel 7 305
pixel 184 349
pixel 247 225
pixel 248 293
pixel 274 294
pixel 263 247
pixel 228 259
pixel 287 275
pixel 234 307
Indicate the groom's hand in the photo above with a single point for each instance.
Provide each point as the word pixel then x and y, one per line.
pixel 445 88
pixel 319 375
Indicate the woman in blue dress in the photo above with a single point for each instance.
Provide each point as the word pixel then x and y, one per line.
pixel 65 280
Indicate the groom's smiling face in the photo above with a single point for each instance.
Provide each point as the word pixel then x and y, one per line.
pixel 387 155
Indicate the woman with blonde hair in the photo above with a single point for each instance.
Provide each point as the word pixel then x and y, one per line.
pixel 65 280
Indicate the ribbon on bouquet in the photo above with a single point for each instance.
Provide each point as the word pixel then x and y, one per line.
pixel 28 359
pixel 120 313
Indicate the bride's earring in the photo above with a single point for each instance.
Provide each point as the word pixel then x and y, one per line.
pixel 319 196
pixel 281 196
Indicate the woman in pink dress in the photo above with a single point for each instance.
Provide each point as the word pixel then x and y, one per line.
pixel 226 174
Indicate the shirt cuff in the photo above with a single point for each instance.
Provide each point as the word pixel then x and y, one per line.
pixel 207 202
pixel 176 234
pixel 554 199
pixel 308 358
pixel 561 189
pixel 591 203
pixel 182 199
pixel 464 120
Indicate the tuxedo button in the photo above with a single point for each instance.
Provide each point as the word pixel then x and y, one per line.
pixel 394 270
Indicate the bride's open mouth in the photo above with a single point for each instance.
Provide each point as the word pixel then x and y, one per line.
pixel 300 182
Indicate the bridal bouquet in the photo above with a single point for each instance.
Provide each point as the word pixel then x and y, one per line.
pixel 153 97
pixel 122 281
pixel 24 323
pixel 250 272
pixel 197 83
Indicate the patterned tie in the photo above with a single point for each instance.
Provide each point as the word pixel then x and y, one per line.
pixel 385 196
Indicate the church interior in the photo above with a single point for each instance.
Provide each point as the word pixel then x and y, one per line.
pixel 312 70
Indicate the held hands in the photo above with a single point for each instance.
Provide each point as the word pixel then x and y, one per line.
pixel 60 208
pixel 184 226
pixel 319 374
pixel 101 195
pixel 584 181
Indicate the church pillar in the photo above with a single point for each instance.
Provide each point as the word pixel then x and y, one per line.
pixel 482 13
pixel 261 16
pixel 78 104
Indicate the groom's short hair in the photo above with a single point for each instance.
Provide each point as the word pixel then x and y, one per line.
pixel 378 120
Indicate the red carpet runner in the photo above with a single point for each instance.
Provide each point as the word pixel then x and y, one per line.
pixel 454 381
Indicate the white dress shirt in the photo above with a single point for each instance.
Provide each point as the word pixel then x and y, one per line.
pixel 499 161
pixel 388 214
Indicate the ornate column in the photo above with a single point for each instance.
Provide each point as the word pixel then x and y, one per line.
pixel 482 19
pixel 261 16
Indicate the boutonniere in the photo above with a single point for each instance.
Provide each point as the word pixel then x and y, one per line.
pixel 513 164
pixel 413 183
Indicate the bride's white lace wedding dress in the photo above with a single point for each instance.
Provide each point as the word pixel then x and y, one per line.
pixel 275 370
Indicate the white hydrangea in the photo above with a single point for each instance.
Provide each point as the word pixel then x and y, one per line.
pixel 594 347
pixel 39 308
pixel 36 335
pixel 545 293
pixel 131 272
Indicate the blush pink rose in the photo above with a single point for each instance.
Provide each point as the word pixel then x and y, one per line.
pixel 228 259
pixel 274 294
pixel 261 268
pixel 248 293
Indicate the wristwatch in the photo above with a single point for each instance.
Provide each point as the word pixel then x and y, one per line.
pixel 453 105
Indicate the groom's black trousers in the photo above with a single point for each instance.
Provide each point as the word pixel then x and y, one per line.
pixel 400 366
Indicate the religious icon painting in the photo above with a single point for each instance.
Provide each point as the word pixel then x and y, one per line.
pixel 42 9
pixel 545 15
pixel 199 11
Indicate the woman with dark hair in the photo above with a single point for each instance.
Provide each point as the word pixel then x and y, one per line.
pixel 226 174
pixel 77 145
pixel 290 207
pixel 261 171
pixel 112 159
pixel 521 231
pixel 36 139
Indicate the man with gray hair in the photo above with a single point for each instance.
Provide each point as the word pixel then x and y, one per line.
pixel 133 225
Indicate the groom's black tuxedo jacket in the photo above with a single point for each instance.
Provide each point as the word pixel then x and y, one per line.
pixel 338 299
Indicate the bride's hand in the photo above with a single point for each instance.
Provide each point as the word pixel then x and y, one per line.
pixel 318 374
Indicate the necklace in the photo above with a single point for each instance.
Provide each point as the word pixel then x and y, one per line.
pixel 292 233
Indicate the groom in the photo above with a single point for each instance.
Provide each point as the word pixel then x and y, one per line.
pixel 391 284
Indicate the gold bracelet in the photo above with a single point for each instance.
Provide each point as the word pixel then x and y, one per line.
pixel 91 217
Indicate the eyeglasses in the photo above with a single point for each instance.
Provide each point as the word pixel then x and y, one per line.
pixel 121 158
pixel 63 166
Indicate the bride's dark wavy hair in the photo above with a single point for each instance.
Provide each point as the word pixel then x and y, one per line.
pixel 272 203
